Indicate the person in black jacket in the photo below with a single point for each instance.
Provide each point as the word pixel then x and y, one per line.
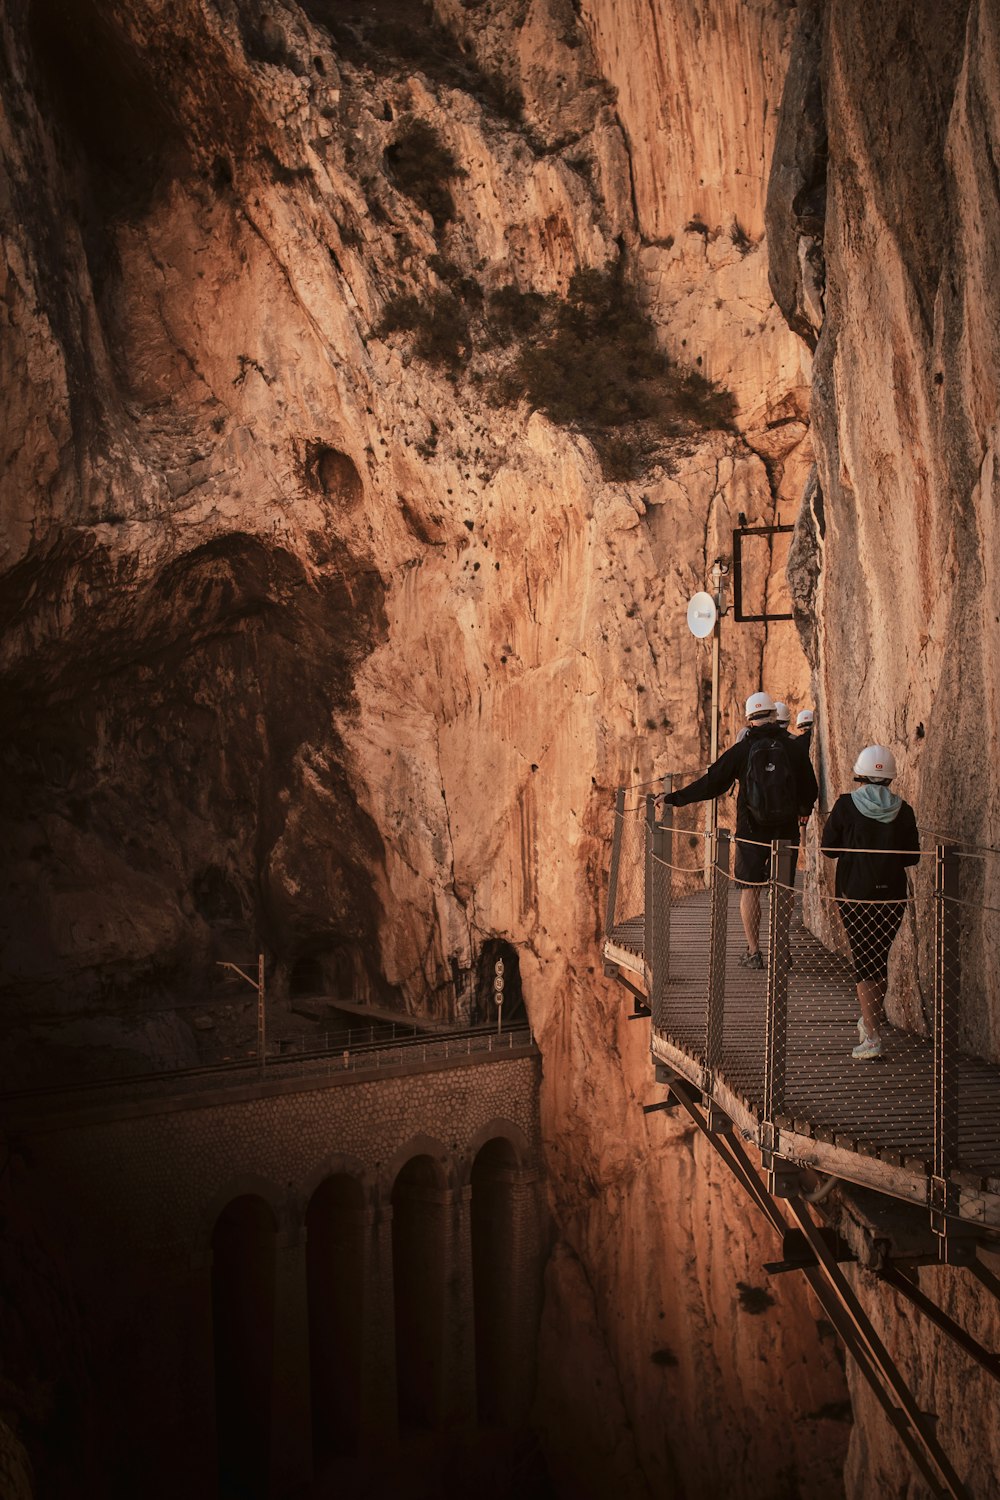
pixel 755 830
pixel 804 725
pixel 872 834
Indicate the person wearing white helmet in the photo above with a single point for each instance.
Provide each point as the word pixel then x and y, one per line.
pixel 781 713
pixel 872 834
pixel 804 725
pixel 759 713
pixel 777 788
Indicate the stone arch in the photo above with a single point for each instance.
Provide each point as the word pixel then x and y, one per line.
pixel 484 994
pixel 244 1246
pixel 336 1219
pixel 418 1145
pixel 338 1164
pixel 242 1185
pixel 503 1222
pixel 493 1129
pixel 422 1247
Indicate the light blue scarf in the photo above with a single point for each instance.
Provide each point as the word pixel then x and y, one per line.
pixel 876 802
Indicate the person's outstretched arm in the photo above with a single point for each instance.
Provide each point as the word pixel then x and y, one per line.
pixel 716 781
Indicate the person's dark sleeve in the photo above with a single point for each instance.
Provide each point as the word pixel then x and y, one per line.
pixel 833 833
pixel 805 779
pixel 717 780
pixel 907 835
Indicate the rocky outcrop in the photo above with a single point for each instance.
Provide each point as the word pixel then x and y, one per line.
pixel 897 555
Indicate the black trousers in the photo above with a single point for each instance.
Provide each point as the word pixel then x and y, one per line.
pixel 871 927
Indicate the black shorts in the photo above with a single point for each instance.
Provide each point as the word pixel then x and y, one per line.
pixel 871 927
pixel 753 860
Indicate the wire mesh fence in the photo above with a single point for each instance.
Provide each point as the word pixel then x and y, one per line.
pixel 866 1022
pixel 839 1027
pixel 627 886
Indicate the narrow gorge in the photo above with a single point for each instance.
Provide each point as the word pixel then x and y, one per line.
pixel 381 379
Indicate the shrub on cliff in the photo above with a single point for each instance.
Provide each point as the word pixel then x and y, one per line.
pixel 439 323
pixel 421 166
pixel 589 359
pixel 594 362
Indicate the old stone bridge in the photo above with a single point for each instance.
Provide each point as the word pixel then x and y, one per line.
pixel 281 1273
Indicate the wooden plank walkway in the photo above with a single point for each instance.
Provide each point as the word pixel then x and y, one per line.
pixel 835 1107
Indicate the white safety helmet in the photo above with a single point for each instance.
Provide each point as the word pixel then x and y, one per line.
pixel 875 763
pixel 804 719
pixel 781 712
pixel 759 706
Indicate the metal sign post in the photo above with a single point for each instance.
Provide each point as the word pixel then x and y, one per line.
pixel 498 991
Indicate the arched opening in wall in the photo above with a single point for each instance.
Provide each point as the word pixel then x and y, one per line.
pixel 306 976
pixel 335 1247
pixel 419 1254
pixel 484 1008
pixel 502 1370
pixel 338 972
pixel 243 1258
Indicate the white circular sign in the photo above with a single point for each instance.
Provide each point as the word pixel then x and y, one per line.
pixel 701 615
pixel 498 966
pixel 498 985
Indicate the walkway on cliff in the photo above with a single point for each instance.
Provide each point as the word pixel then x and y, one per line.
pixel 764 1056
pixel 773 1047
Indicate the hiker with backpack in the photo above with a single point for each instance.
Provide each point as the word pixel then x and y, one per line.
pixel 872 834
pixel 777 791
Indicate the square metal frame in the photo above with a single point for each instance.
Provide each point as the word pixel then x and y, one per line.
pixel 738 615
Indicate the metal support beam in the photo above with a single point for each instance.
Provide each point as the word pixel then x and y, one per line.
pixel 912 1426
pixel 909 1289
pixel 983 1275
pixel 842 1309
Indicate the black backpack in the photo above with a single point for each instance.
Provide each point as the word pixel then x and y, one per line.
pixel 769 787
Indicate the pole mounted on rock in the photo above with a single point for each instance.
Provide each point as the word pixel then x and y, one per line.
pixel 704 617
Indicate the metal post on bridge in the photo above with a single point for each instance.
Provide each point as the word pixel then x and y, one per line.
pixel 947 985
pixel 258 985
pixel 776 1013
pixel 647 870
pixel 718 918
pixel 658 916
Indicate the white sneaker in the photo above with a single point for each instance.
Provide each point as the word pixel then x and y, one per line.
pixel 861 1029
pixel 869 1046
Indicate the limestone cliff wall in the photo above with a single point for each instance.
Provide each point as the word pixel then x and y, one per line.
pixel 883 227
pixel 310 644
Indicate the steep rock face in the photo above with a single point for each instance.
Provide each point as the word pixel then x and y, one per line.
pixel 310 645
pixel 891 120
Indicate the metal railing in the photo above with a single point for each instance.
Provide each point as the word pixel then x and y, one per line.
pixel 781 1037
pixel 317 1065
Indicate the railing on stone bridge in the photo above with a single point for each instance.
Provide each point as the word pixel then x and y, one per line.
pixel 409 1048
pixel 774 1046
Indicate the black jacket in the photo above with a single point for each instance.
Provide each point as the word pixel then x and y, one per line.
pixel 866 876
pixel 731 766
